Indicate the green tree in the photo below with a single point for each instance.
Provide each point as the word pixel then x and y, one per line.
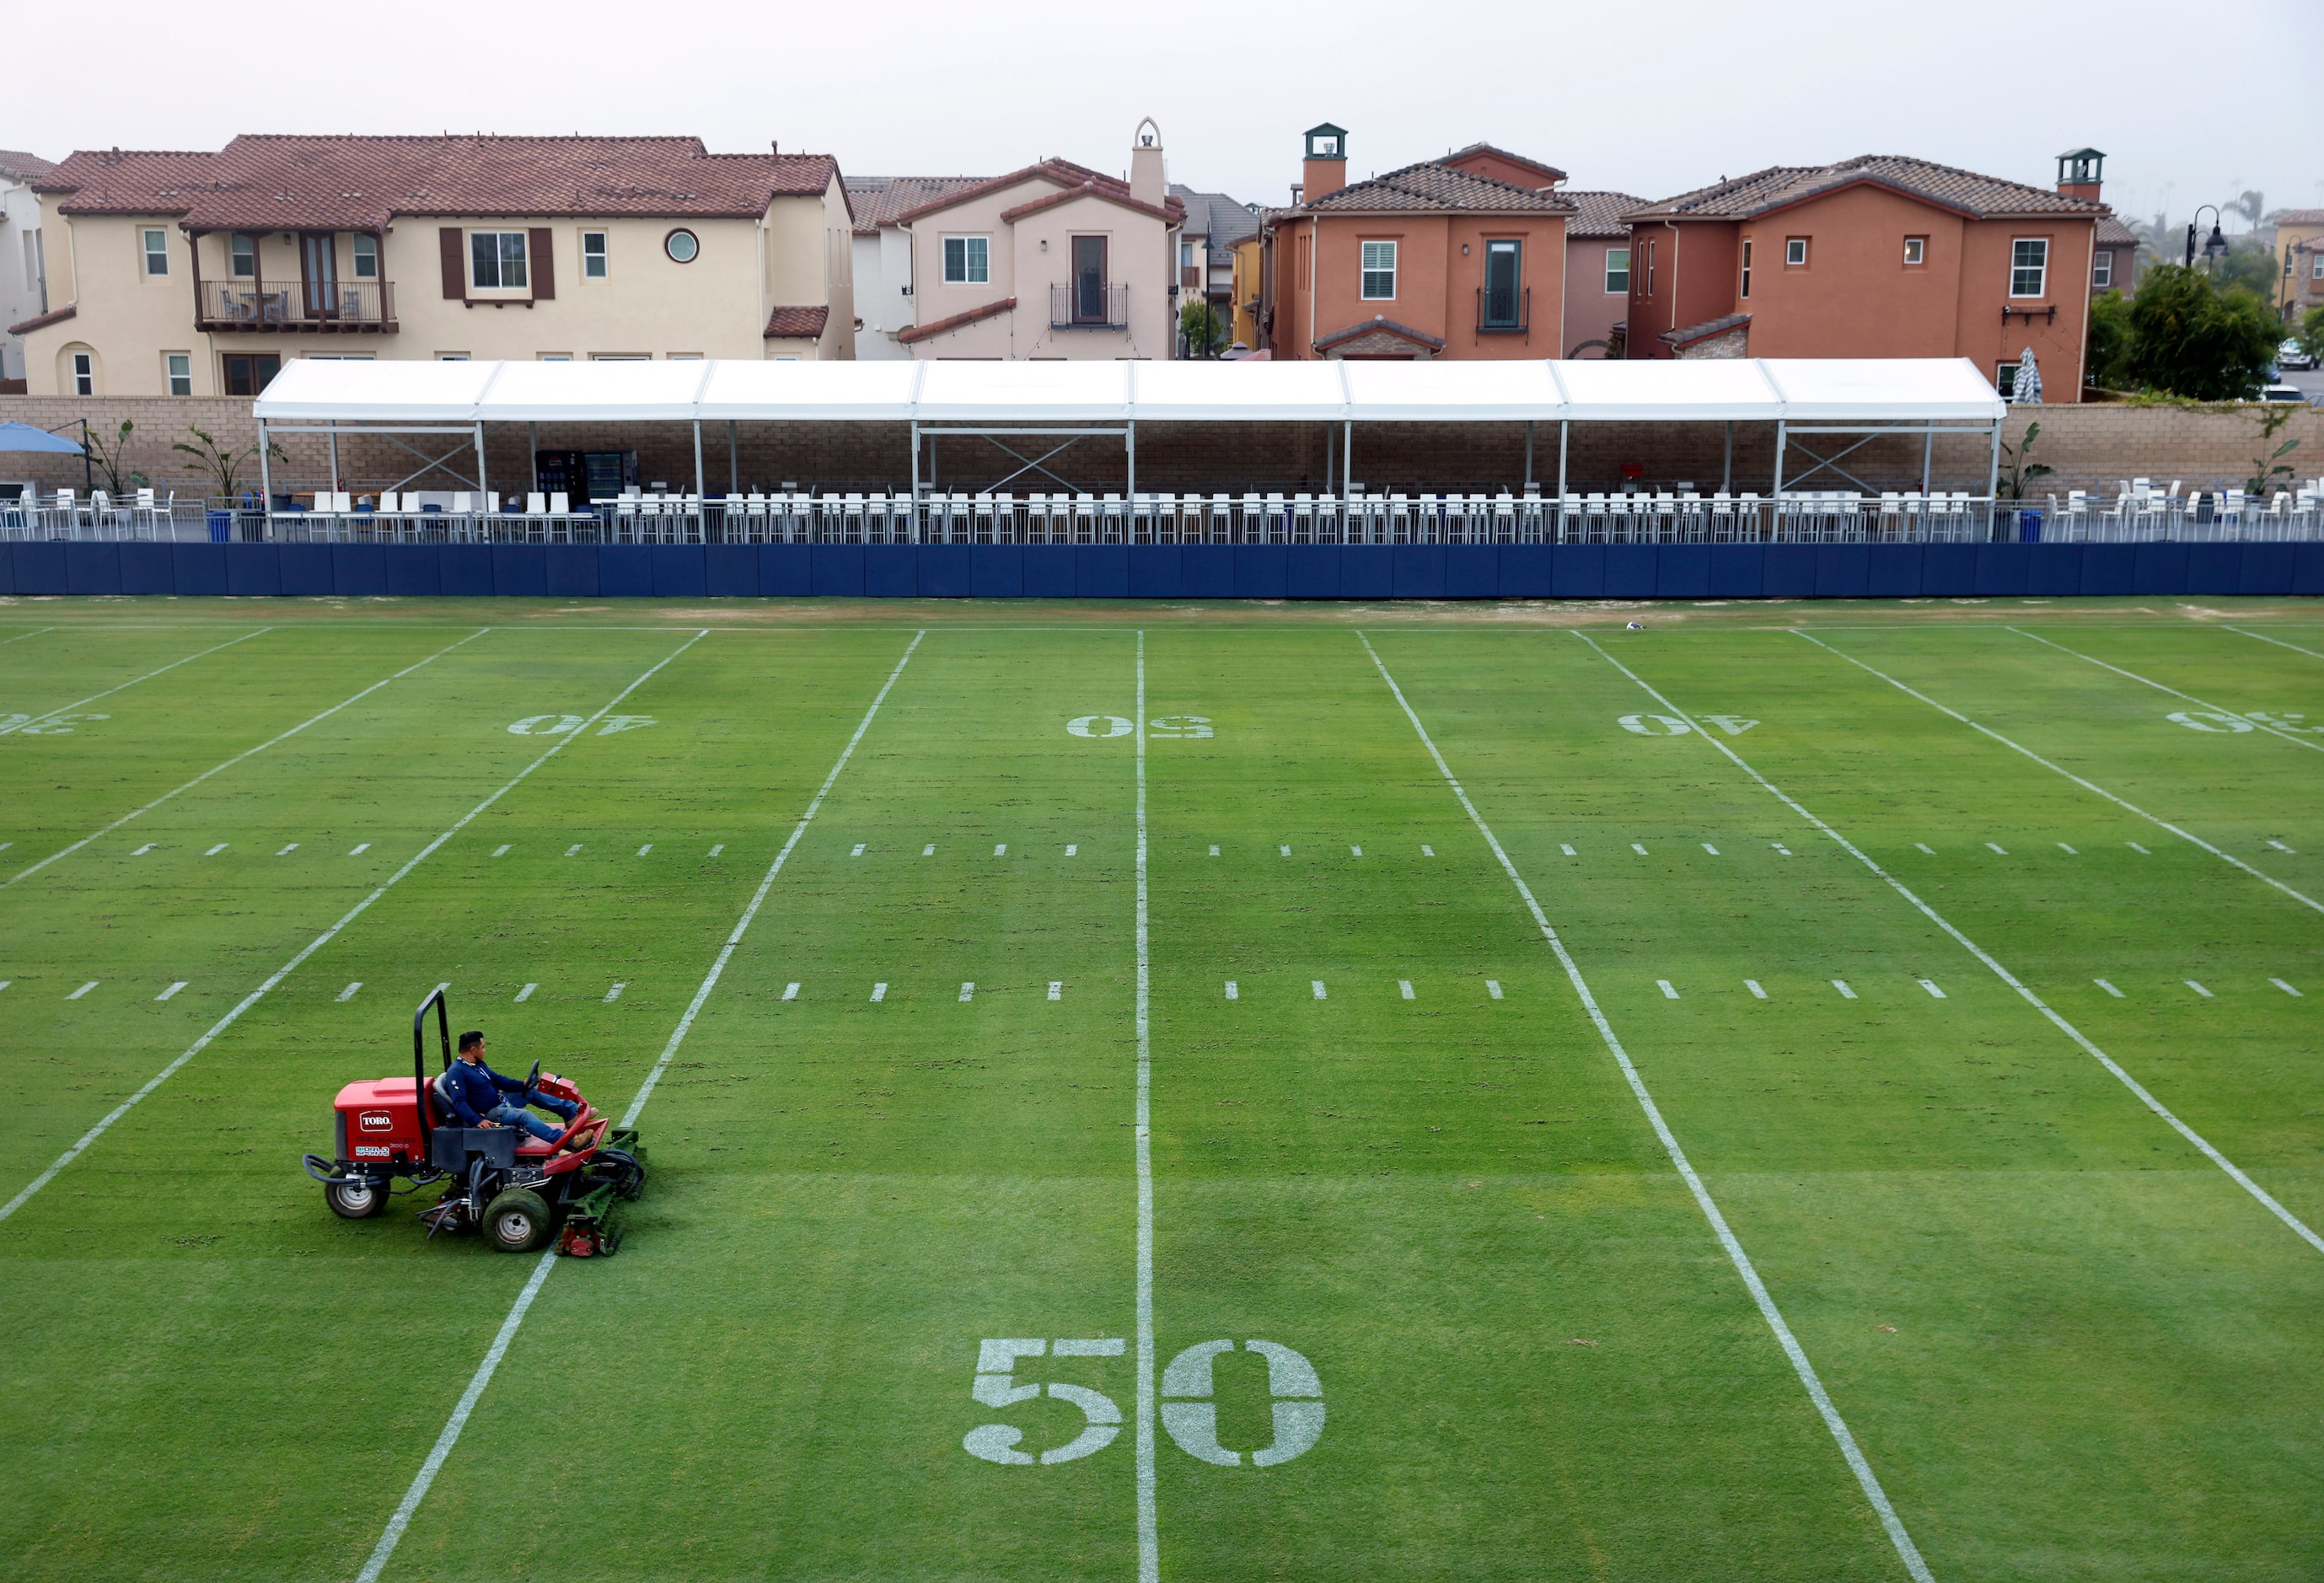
pixel 2248 264
pixel 2110 340
pixel 2190 339
pixel 2311 332
pixel 1207 330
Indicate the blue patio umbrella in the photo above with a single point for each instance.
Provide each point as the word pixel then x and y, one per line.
pixel 2027 390
pixel 24 436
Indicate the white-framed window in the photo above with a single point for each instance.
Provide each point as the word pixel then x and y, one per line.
pixel 1378 271
pixel 1746 292
pixel 967 261
pixel 178 372
pixel 1186 256
pixel 594 259
pixel 84 373
pixel 1916 252
pixel 2029 266
pixel 2102 269
pixel 1617 272
pixel 242 255
pixel 366 256
pixel 2316 268
pixel 451 357
pixel 557 356
pixel 496 261
pixel 621 357
pixel 2004 379
pixel 1795 252
pixel 157 251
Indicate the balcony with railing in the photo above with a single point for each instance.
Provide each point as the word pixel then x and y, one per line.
pixel 331 306
pixel 1088 305
pixel 1503 310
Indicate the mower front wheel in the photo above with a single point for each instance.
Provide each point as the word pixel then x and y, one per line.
pixel 355 1198
pixel 518 1221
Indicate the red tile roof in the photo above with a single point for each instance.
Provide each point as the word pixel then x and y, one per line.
pixel 1380 324
pixel 1063 173
pixel 1778 187
pixel 797 324
pixel 18 166
pixel 1600 219
pixel 361 183
pixel 1102 195
pixel 54 315
pixel 955 321
pixel 1433 186
pixel 2301 217
pixel 877 200
pixel 1551 172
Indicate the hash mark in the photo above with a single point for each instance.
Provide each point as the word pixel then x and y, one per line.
pixel 1071 849
pixel 2140 851
pixel 1756 992
pixel 141 851
pixel 928 850
pixel 1711 848
pixel 500 851
pixel 1056 989
pixel 525 994
pixel 1845 992
pixel 1355 851
pixel 214 851
pixel 1668 992
pixel 1406 986
pixel 1636 848
pixel 4 983
pixel 2109 988
pixel 2287 988
pixel 968 991
pixel 2281 847
pixel 1990 846
pixel 790 991
pixel 1284 850
pixel 286 851
pixel 1567 848
pixel 1935 993
pixel 360 850
pixel 1316 985
pixel 2199 988
pixel 349 992
pixel 645 849
pixel 719 848
pixel 84 989
pixel 1232 993
pixel 858 851
pixel 172 990
pixel 1214 851
pixel 573 850
pixel 2070 851
pixel 1002 849
pixel 879 991
pixel 1780 847
pixel 1427 850
pixel 1925 847
pixel 614 993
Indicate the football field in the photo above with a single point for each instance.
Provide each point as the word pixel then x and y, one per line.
pixel 1799 1091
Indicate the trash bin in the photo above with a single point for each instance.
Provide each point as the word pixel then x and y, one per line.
pixel 221 527
pixel 2029 527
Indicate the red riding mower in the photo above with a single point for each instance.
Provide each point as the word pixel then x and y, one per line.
pixel 517 1188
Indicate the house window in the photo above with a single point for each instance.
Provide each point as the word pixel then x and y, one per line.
pixel 2316 268
pixel 180 368
pixel 2029 267
pixel 248 375
pixel 1796 251
pixel 1916 252
pixel 157 251
pixel 1617 272
pixel 84 373
pixel 451 357
pixel 1650 267
pixel 682 245
pixel 242 249
pixel 1746 292
pixel 1378 271
pixel 1503 301
pixel 1186 256
pixel 2102 269
pixel 592 255
pixel 496 261
pixel 967 261
pixel 2004 379
pixel 366 251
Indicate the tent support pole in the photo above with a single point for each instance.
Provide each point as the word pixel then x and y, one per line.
pixel 1727 466
pixel 336 480
pixel 1564 431
pixel 1348 454
pixel 1528 478
pixel 532 443
pixel 1330 441
pixel 1129 450
pixel 698 489
pixel 483 487
pixel 916 480
pixel 1993 477
pixel 1781 437
pixel 1928 456
pixel 733 456
pixel 266 472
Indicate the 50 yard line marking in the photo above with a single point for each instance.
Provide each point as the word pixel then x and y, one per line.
pixel 2234 1172
pixel 2121 803
pixel 238 757
pixel 133 681
pixel 450 1437
pixel 1865 1477
pixel 325 938
pixel 1149 1555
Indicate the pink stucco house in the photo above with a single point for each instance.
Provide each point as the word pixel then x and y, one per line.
pixel 1055 261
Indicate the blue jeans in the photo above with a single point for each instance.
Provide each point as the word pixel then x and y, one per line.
pixel 514 1115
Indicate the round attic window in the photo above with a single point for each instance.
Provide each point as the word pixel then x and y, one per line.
pixel 681 246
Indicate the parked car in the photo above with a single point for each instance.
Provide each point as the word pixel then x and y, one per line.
pixel 2291 355
pixel 2284 393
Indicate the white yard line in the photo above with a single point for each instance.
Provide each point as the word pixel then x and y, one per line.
pixel 1865 1477
pixel 172 990
pixel 2148 681
pixel 2234 1172
pixel 2263 637
pixel 1150 1552
pixel 325 938
pixel 20 637
pixel 450 1436
pixel 133 681
pixel 237 759
pixel 2127 807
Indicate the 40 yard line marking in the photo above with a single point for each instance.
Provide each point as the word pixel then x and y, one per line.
pixel 2161 824
pixel 1865 1477
pixel 483 1377
pixel 238 757
pixel 2175 692
pixel 2234 1172
pixel 325 938
pixel 133 681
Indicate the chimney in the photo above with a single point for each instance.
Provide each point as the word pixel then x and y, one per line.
pixel 2079 171
pixel 1325 171
pixel 1148 183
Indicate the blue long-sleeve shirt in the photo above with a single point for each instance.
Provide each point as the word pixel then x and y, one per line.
pixel 477 1090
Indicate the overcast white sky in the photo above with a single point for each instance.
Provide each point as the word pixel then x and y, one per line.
pixel 2192 102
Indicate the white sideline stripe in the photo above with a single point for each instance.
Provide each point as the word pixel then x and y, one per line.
pixel 349 992
pixel 1233 992
pixel 1845 992
pixel 1057 989
pixel 790 991
pixel 2246 632
pixel 1406 986
pixel 1929 985
pixel 133 681
pixel 2199 988
pixel 1925 847
pixel 20 637
pixel 172 990
pixel 2287 988
pixel 1317 986
pixel 2234 1172
pixel 445 1442
pixel 141 851
pixel 1756 992
pixel 360 850
pixel 2175 692
pixel 1150 1553
pixel 968 990
pixel 84 989
pixel 2109 988
pixel 2087 786
pixel 325 938
pixel 1664 985
pixel 614 993
pixel 1493 988
pixel 237 759
pixel 879 990
pixel 1865 1477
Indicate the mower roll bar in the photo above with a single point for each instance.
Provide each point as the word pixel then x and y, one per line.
pixel 420 1050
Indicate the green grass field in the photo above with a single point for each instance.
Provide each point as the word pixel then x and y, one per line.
pixel 1897 1143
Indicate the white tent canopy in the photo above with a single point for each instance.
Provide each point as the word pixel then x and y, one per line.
pixel 1746 390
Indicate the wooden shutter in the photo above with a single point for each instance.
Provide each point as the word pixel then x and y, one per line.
pixel 455 244
pixel 544 265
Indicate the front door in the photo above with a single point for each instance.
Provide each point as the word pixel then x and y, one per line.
pixel 1089 279
pixel 319 265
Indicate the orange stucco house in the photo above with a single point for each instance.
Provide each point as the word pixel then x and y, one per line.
pixel 1878 256
pixel 1459 257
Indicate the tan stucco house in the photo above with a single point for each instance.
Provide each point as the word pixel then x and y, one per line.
pixel 200 274
pixel 1055 261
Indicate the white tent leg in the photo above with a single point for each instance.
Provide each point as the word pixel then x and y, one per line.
pixel 266 474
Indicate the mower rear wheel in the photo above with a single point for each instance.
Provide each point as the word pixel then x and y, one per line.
pixel 517 1221
pixel 355 1198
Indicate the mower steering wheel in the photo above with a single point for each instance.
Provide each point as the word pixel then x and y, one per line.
pixel 531 1078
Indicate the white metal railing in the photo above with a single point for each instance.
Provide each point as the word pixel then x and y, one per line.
pixel 2138 513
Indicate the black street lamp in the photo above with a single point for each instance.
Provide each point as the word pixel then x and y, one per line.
pixel 2216 248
